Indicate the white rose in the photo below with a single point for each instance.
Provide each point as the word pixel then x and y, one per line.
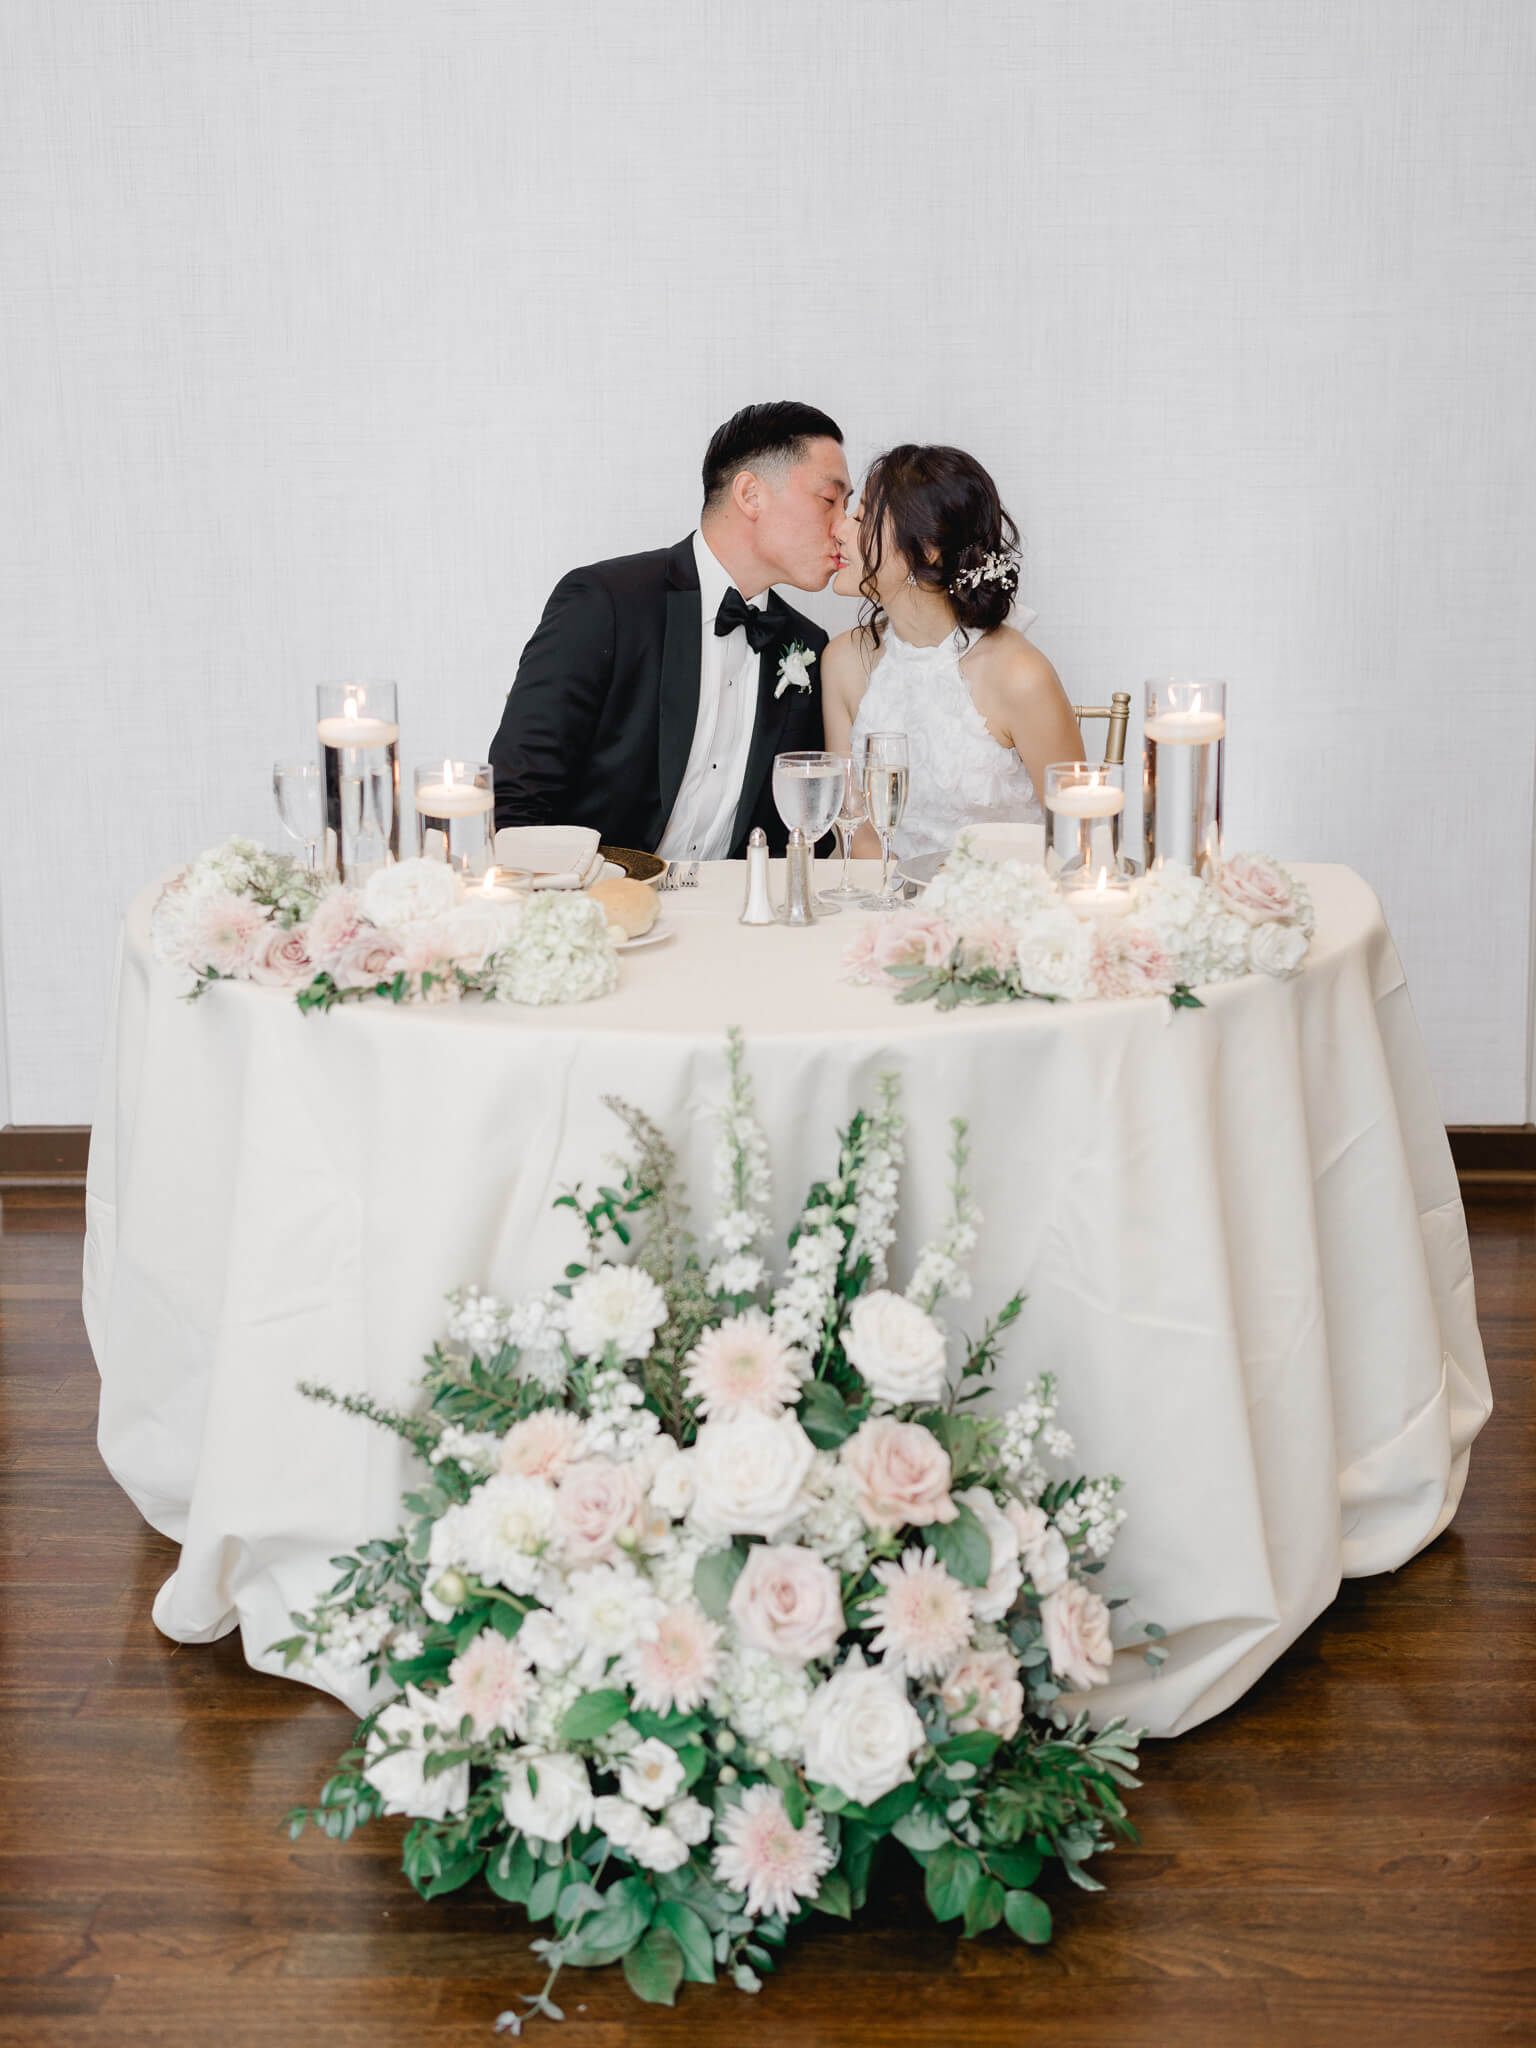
pixel 620 1820
pixel 1056 956
pixel 1042 1547
pixel 562 1802
pixel 651 1774
pixel 896 1348
pixel 788 1601
pixel 1074 1624
pixel 1277 949
pixel 672 1485
pixel 861 1732
pixel 617 1305
pixel 401 1779
pixel 410 891
pixel 689 1819
pixel 993 1600
pixel 748 1475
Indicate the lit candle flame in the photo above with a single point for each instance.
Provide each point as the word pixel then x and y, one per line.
pixel 350 707
pixel 1103 888
pixel 448 775
pixel 488 885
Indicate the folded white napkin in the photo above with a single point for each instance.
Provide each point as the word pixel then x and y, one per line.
pixel 559 856
pixel 1000 840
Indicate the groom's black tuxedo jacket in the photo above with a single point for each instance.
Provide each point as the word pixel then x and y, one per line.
pixel 599 720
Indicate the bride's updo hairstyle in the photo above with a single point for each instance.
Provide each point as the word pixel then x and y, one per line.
pixel 941 513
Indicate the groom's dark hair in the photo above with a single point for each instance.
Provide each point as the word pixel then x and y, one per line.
pixel 758 434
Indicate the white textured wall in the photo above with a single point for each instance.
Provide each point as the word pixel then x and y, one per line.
pixel 332 333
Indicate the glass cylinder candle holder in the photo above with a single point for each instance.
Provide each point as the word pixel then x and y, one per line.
pixel 1105 895
pixel 503 885
pixel 1183 767
pixel 358 728
pixel 1086 802
pixel 454 805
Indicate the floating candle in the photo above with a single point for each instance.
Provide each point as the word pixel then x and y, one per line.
pixel 1186 728
pixel 1087 800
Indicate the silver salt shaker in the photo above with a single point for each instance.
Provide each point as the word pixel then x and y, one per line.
pixel 758 908
pixel 799 903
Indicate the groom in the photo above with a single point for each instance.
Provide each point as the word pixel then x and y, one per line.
pixel 657 688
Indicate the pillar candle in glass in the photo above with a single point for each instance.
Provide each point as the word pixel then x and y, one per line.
pixel 358 729
pixel 1184 747
pixel 454 802
pixel 1086 802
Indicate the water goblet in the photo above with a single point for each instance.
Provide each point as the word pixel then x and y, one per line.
pixel 849 818
pixel 885 792
pixel 296 786
pixel 808 794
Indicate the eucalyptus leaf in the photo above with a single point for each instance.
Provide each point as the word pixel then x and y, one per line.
pixel 714 1576
pixel 949 1880
pixel 962 1546
pixel 687 1929
pixel 653 1968
pixel 1028 1916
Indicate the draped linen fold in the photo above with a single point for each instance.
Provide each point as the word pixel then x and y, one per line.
pixel 1239 1229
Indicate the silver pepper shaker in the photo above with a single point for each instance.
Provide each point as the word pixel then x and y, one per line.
pixel 758 908
pixel 799 904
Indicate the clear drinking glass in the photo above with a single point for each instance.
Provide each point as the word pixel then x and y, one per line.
pixel 850 817
pixel 296 786
pixel 885 792
pixel 808 793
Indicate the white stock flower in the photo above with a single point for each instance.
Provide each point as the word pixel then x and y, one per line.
pixel 861 1732
pixel 897 1349
pixel 401 1779
pixel 410 891
pixel 651 1774
pixel 563 1800
pixel 748 1475
pixel 614 1305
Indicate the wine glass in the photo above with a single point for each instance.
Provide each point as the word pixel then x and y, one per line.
pixel 850 817
pixel 296 786
pixel 885 792
pixel 808 793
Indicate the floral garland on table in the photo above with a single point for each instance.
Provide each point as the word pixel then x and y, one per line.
pixel 412 932
pixel 1000 931
pixel 704 1600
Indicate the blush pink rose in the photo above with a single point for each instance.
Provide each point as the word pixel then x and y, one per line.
pixel 787 1601
pixel 911 940
pixel 859 954
pixel 370 956
pixel 1257 889
pixel 902 1474
pixel 281 958
pixel 990 943
pixel 1074 1625
pixel 596 1503
pixel 983 1692
pixel 1129 962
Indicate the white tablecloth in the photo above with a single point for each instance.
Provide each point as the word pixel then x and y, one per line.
pixel 1239 1229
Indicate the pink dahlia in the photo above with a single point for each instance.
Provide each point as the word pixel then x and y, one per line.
pixel 759 1853
pixel 924 1615
pixel 541 1445
pixel 335 924
pixel 1129 962
pixel 492 1682
pixel 675 1667
pixel 742 1365
pixel 224 931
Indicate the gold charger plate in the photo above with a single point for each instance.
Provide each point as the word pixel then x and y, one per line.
pixel 640 867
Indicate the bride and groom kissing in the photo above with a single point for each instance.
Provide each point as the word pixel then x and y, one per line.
pixel 658 687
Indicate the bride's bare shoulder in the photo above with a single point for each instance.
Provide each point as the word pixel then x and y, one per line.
pixel 847 660
pixel 1006 660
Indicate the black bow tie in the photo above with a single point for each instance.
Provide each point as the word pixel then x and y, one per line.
pixel 761 626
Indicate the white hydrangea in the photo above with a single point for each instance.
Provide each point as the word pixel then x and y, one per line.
pixel 614 1306
pixel 1185 915
pixel 764 1699
pixel 830 1523
pixel 561 952
pixel 971 890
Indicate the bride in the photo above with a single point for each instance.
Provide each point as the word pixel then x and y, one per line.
pixel 935 558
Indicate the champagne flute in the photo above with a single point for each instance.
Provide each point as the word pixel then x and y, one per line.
pixel 850 816
pixel 296 786
pixel 808 793
pixel 885 792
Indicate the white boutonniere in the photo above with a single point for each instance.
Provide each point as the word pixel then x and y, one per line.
pixel 794 669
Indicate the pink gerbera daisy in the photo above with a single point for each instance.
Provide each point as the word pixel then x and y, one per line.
pixel 924 1615
pixel 759 1853
pixel 743 1366
pixel 493 1683
pixel 674 1668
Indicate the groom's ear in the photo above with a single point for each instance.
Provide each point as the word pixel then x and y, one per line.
pixel 747 493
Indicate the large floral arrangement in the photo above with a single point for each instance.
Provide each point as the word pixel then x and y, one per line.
pixel 715 1587
pixel 412 932
pixel 991 931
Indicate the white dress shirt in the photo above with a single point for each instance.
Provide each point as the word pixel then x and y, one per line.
pixel 704 814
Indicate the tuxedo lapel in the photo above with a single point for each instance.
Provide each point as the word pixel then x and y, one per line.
pixel 679 691
pixel 772 715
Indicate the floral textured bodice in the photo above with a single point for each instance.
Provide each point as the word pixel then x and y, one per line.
pixel 960 774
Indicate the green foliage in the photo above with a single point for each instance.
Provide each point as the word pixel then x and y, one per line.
pixel 714 1576
pixel 1028 1916
pixel 654 1967
pixel 962 1546
pixel 593 1714
pixel 689 1931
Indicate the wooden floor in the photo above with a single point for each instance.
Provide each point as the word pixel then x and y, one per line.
pixel 1344 1857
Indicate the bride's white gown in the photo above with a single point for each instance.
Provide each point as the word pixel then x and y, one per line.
pixel 960 775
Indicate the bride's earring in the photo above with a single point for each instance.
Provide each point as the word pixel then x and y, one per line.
pixel 911 578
